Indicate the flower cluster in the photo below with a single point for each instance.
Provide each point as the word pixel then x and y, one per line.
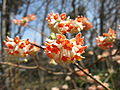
pixel 63 24
pixel 63 50
pixel 20 48
pixel 24 21
pixel 106 41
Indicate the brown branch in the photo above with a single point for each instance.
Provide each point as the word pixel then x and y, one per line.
pixel 34 67
pixel 99 82
pixel 19 66
pixel 41 47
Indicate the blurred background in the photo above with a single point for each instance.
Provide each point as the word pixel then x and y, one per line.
pixel 104 14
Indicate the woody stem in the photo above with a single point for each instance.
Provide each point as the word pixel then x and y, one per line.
pixel 99 82
pixel 37 46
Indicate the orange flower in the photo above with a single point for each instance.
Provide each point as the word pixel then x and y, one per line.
pixel 81 19
pixel 20 48
pixel 53 48
pixel 56 16
pixel 21 45
pixel 60 38
pixel 63 50
pixel 111 34
pixel 87 25
pixel 65 58
pixel 79 40
pixel 16 40
pixel 31 17
pixel 10 46
pixel 63 16
pixel 24 21
pixel 62 24
pixel 67 45
pixel 106 41
pixel 81 49
pixel 76 57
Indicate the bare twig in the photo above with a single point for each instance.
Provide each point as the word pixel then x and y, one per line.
pixel 34 67
pixel 99 82
pixel 41 47
pixel 19 66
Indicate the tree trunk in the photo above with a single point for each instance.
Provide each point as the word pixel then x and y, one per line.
pixel 3 37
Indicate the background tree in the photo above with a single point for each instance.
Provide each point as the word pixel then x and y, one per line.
pixel 103 14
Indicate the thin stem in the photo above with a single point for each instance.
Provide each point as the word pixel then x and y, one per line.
pixel 38 71
pixel 72 77
pixel 99 82
pixel 19 66
pixel 38 46
pixel 74 84
pixel 34 67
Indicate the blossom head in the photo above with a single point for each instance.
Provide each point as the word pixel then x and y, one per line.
pixel 106 41
pixel 63 24
pixel 20 48
pixel 31 17
pixel 111 34
pixel 63 50
pixel 25 20
pixel 87 25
